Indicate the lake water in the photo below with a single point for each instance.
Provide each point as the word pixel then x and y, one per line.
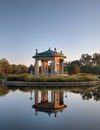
pixel 25 108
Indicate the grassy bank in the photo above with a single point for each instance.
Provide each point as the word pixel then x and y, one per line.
pixel 70 78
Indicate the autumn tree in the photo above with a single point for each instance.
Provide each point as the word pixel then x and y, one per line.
pixel 5 67
pixel 14 69
pixel 22 69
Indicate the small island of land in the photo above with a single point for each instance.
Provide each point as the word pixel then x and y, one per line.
pixel 59 80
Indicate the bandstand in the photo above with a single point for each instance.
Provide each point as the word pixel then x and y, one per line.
pixel 49 102
pixel 50 58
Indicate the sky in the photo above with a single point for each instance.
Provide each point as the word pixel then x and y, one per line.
pixel 70 26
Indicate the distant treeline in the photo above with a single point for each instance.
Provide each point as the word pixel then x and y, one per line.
pixel 6 68
pixel 86 64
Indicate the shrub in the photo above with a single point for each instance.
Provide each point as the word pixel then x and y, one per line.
pixel 73 69
pixel 70 78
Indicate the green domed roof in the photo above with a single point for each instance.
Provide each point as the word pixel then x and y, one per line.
pixel 49 53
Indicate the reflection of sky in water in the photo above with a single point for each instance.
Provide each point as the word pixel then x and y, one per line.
pixel 16 113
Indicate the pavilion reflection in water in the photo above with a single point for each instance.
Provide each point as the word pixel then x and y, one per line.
pixel 49 102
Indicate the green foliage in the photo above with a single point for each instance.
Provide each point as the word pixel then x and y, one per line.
pixel 31 69
pixel 73 69
pixel 87 63
pixel 76 62
pixel 87 77
pixel 71 78
pixel 13 78
pixel 91 69
pixel 86 69
pixel 86 59
pixel 96 69
pixel 96 59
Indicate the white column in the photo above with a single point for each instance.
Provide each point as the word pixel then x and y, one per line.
pixel 36 67
pixel 61 66
pixel 52 96
pixel 44 96
pixel 46 68
pixel 52 68
pixel 42 67
pixel 36 97
pixel 56 99
pixel 55 66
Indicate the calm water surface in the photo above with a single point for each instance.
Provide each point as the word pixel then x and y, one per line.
pixel 29 108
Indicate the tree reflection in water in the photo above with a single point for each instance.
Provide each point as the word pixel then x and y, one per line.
pixel 19 107
pixel 95 94
pixel 3 90
pixel 52 101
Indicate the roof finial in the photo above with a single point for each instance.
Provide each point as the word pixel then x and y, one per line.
pixel 61 52
pixel 55 49
pixel 36 51
pixel 49 48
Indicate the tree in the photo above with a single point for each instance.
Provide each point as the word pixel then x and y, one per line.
pixel 86 59
pixel 86 68
pixel 22 69
pixel 76 62
pixel 73 69
pixel 96 59
pixel 31 69
pixel 5 67
pixel 14 69
pixel 96 69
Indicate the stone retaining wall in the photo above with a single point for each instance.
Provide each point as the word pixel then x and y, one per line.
pixel 21 83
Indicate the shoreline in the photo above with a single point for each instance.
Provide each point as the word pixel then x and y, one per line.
pixel 48 84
